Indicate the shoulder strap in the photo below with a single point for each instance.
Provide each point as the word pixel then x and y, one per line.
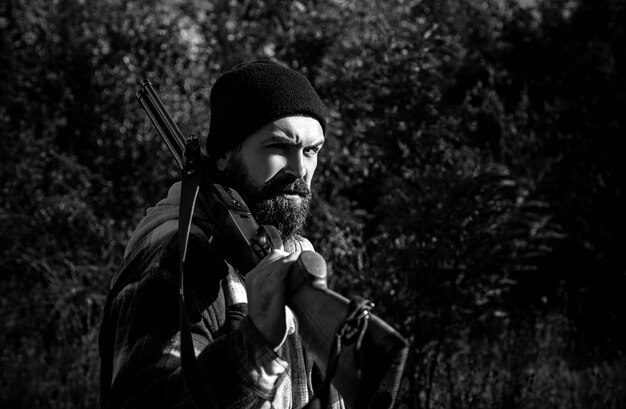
pixel 190 186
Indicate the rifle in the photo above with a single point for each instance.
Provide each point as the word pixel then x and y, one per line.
pixel 367 373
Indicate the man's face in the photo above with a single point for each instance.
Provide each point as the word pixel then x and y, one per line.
pixel 273 170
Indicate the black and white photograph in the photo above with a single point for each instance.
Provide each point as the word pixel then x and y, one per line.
pixel 313 204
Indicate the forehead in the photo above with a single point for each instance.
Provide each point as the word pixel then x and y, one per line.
pixel 300 130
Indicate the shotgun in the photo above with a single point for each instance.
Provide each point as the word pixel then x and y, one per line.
pixel 367 373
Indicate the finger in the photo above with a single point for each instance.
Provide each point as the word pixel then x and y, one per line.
pixel 270 258
pixel 291 258
pixel 286 264
pixel 274 255
pixel 264 269
pixel 275 270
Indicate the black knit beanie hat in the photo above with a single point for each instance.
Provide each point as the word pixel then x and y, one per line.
pixel 254 94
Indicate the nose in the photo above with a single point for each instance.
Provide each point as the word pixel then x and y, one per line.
pixel 296 164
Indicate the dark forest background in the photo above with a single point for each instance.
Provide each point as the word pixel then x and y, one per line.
pixel 470 183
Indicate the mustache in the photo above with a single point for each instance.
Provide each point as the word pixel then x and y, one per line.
pixel 276 186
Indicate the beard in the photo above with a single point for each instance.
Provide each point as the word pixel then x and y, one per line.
pixel 267 203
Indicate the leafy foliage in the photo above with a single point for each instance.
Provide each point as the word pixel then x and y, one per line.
pixel 470 183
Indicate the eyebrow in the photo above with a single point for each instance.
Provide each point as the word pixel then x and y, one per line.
pixel 288 141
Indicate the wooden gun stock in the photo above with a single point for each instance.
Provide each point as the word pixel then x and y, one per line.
pixel 369 378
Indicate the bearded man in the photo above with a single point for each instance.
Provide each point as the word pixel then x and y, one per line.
pixel 267 128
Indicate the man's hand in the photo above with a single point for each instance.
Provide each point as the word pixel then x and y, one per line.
pixel 265 285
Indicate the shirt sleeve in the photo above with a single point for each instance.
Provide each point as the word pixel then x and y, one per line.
pixel 240 370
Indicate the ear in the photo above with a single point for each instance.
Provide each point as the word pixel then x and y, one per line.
pixel 221 163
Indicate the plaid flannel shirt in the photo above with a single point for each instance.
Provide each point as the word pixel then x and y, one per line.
pixel 140 338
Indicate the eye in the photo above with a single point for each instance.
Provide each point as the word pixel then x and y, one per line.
pixel 312 151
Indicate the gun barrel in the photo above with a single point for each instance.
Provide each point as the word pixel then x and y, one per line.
pixel 162 120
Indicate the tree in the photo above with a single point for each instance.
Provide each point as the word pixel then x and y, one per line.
pixel 470 181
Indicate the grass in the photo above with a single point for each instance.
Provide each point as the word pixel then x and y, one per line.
pixel 530 368
pixel 49 359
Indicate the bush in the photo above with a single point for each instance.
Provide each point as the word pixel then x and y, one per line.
pixel 470 184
